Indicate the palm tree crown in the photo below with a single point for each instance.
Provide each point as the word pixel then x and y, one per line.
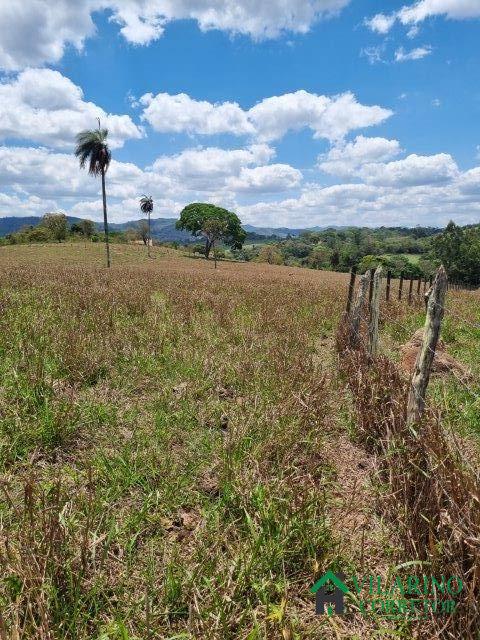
pixel 146 204
pixel 92 147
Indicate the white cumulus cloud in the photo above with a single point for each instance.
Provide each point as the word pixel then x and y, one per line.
pixel 41 172
pixel 180 113
pixel 414 170
pixel 368 204
pixel 213 170
pixel 381 23
pixel 272 178
pixel 328 117
pixel 44 106
pixel 35 32
pixel 411 15
pixel 414 190
pixel 344 160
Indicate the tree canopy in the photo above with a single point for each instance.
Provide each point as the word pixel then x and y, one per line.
pixel 194 219
pixel 143 231
pixel 146 204
pixel 458 249
pixel 92 147
pixel 57 225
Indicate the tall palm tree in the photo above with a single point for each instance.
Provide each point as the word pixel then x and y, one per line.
pixel 92 147
pixel 146 206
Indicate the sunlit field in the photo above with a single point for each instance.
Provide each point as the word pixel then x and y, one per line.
pixel 161 444
pixel 173 447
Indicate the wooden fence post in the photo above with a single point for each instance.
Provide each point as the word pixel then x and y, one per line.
pixel 389 281
pixel 370 292
pixel 351 288
pixel 410 290
pixel 357 310
pixel 374 313
pixel 419 284
pixel 424 362
pixel 400 287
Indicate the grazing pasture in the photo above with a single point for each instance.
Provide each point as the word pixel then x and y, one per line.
pixel 174 447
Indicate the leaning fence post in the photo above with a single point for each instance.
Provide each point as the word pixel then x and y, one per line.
pixel 374 313
pixel 424 362
pixel 400 287
pixel 389 280
pixel 351 288
pixel 357 310
pixel 370 292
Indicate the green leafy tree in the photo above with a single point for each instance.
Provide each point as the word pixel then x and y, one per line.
pixel 143 231
pixel 57 225
pixel 447 246
pixel 39 234
pixel 319 258
pixel 335 259
pixel 268 253
pixel 458 249
pixel 146 206
pixel 92 148
pixel 87 228
pixel 193 219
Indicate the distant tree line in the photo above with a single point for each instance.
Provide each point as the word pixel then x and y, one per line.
pixel 458 249
pixel 54 227
pixel 341 249
pixel 413 252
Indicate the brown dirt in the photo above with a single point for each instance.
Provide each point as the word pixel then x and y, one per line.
pixel 443 362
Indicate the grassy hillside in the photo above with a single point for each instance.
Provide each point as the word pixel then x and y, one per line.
pixel 174 448
pixel 155 416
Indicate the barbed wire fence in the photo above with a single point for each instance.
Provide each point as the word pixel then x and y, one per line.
pixel 408 288
pixel 434 489
pixel 380 289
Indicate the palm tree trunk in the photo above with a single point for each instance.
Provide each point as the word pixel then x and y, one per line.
pixel 149 234
pixel 105 219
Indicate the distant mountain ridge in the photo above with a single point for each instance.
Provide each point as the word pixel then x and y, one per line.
pixel 282 232
pixel 11 224
pixel 162 228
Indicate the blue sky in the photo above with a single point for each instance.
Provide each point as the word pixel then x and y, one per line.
pixel 292 113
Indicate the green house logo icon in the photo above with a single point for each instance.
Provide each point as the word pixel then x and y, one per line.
pixel 329 590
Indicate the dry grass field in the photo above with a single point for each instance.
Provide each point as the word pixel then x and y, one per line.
pixel 174 451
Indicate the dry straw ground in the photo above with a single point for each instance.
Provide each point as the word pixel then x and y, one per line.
pixel 171 439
